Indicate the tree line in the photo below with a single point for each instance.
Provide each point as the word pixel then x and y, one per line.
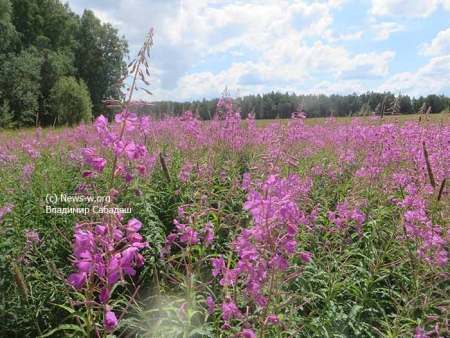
pixel 277 105
pixel 56 67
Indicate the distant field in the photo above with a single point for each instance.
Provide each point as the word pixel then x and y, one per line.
pixel 434 118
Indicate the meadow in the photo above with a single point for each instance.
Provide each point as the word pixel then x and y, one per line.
pixel 181 228
pixel 175 227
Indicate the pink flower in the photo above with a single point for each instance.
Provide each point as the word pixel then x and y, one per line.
pixel 101 124
pixel 104 295
pixel 246 181
pixel 140 151
pixel 77 280
pixel 89 154
pixel 127 150
pixel 230 310
pixel 420 333
pixel 134 225
pixel 273 319
pixel 278 263
pixel 209 235
pixel 127 117
pixel 98 163
pixel 87 173
pixel 128 178
pixel 247 333
pixel 33 236
pixel 218 264
pixel 305 256
pixel 210 304
pixel 110 322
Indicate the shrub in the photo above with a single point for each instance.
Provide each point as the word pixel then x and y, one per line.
pixel 71 102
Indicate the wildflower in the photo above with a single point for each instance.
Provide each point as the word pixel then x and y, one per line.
pixel 209 237
pixel 77 280
pixel 420 333
pixel 210 304
pixel 110 322
pixel 218 265
pixel 225 326
pixel 101 124
pixel 104 295
pixel 27 171
pixel 98 163
pixel 126 149
pixel 87 173
pixel 134 225
pixel 278 263
pixel 273 319
pixel 32 236
pixel 230 309
pixel 246 181
pixel 247 333
pixel 305 256
pixel 7 209
pixel 89 153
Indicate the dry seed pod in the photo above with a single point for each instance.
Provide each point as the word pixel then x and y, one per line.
pixel 19 281
pixel 429 169
pixel 441 190
pixel 164 167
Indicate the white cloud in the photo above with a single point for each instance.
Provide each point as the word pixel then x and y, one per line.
pixel 331 36
pixel 337 3
pixel 286 71
pixel 207 84
pixel 440 45
pixel 433 78
pixel 366 66
pixel 105 17
pixel 406 8
pixel 384 29
pixel 339 87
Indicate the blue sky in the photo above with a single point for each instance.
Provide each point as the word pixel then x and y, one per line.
pixel 329 46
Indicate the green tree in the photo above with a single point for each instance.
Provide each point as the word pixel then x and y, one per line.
pixel 20 89
pixel 70 101
pixel 437 103
pixel 99 58
pixel 55 65
pixel 44 24
pixel 8 34
pixel 405 105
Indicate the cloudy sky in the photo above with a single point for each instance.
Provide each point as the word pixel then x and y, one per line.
pixel 327 46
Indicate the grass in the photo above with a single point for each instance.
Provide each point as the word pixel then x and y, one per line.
pixel 443 117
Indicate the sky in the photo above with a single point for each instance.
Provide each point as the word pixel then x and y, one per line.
pixel 306 47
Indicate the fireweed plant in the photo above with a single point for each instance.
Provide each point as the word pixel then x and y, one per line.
pixel 107 250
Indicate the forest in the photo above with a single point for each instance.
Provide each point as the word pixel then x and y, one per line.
pixel 277 105
pixel 55 66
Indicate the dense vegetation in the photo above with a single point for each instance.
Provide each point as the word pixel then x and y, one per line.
pixel 329 230
pixel 277 105
pixel 44 48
